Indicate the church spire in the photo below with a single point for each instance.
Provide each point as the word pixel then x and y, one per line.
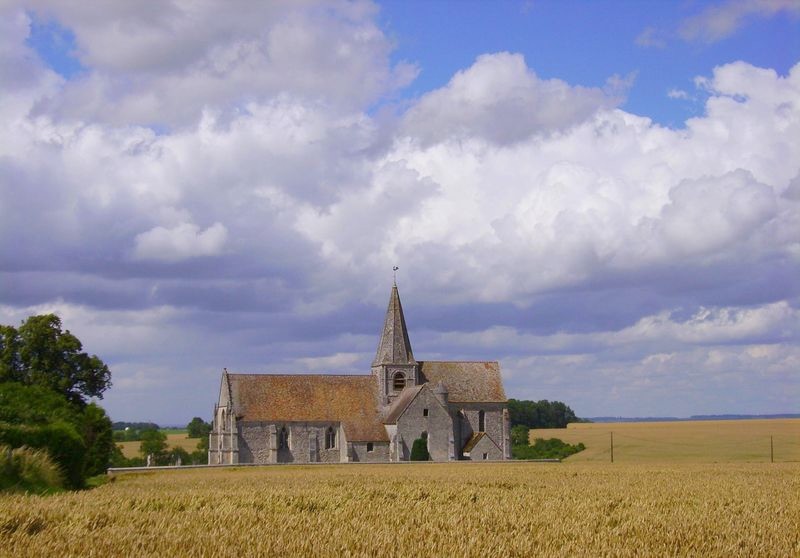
pixel 394 346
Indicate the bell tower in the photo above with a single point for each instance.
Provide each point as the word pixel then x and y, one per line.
pixel 394 367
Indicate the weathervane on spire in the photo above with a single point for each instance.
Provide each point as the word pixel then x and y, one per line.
pixel 394 274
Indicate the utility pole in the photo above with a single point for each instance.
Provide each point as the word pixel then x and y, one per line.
pixel 612 447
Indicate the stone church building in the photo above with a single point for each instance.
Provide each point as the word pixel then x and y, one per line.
pixel 459 408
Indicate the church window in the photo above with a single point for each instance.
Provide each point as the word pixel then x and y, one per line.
pixel 424 412
pixel 283 438
pixel 370 447
pixel 481 421
pixel 485 456
pixel 399 381
pixel 330 438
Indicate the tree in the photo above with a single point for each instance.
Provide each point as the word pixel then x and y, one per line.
pixel 198 428
pixel 541 414
pixel 177 454
pixel 519 435
pixel 36 417
pixel 40 353
pixel 98 437
pixel 34 405
pixel 154 442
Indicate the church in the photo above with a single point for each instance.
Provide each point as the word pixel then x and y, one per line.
pixel 458 408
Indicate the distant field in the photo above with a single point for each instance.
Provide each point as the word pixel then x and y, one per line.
pixel 433 509
pixel 175 438
pixel 723 441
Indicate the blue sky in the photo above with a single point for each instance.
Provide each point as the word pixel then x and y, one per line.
pixel 585 43
pixel 604 197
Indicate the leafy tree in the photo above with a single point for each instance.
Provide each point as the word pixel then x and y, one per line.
pixel 541 414
pixel 198 428
pixel 154 442
pixel 98 439
pixel 40 353
pixel 519 435
pixel 34 405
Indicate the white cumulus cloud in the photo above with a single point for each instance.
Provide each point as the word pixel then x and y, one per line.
pixel 180 242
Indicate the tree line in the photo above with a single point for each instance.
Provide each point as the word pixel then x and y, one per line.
pixel 525 415
pixel 153 444
pixel 541 414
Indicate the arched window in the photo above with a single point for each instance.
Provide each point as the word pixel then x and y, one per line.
pixel 399 381
pixel 481 421
pixel 330 438
pixel 283 438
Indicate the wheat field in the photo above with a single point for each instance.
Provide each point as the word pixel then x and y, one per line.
pixel 174 440
pixel 449 509
pixel 721 441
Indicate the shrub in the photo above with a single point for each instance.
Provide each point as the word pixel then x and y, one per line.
pixel 28 469
pixel 552 448
pixel 60 440
pixel 419 450
pixel 519 435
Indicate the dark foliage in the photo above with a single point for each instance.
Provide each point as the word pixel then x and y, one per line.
pixel 541 414
pixel 98 439
pixel 419 450
pixel 552 448
pixel 46 380
pixel 520 435
pixel 39 353
pixel 154 442
pixel 198 428
pixel 61 441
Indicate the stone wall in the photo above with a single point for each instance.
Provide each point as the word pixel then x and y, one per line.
pixel 379 453
pixel 485 449
pixel 468 424
pixel 306 442
pixel 438 424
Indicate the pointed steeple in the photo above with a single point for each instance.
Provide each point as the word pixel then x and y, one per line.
pixel 394 346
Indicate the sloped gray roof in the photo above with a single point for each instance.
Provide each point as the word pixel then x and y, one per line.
pixel 394 346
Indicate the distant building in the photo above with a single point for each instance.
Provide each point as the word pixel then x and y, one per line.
pixel 459 408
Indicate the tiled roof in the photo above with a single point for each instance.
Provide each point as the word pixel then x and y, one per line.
pixel 402 402
pixel 467 382
pixel 351 400
pixel 472 442
pixel 394 346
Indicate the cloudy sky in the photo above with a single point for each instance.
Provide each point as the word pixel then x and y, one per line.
pixel 605 197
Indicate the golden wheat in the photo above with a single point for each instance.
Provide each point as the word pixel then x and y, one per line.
pixel 722 441
pixel 461 509
pixel 174 440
